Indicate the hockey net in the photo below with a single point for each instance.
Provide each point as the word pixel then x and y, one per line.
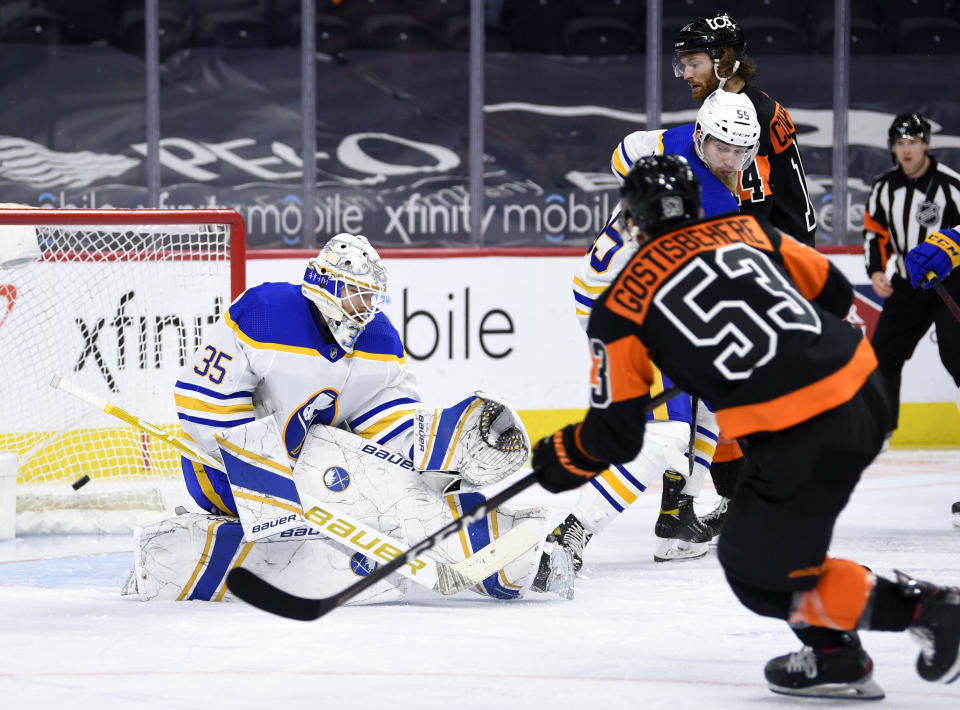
pixel 114 301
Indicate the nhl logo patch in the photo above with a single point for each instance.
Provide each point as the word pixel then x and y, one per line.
pixel 928 214
pixel 336 479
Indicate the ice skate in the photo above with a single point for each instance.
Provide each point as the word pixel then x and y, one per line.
pixel 936 628
pixel 956 514
pixel 573 537
pixel 714 519
pixel 555 573
pixel 841 672
pixel 680 535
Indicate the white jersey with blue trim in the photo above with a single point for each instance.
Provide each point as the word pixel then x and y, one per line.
pixel 639 144
pixel 600 266
pixel 610 251
pixel 271 354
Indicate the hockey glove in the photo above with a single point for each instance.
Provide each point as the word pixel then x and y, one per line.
pixel 481 437
pixel 560 463
pixel 940 253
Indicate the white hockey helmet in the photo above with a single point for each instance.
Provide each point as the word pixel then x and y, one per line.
pixel 730 118
pixel 347 282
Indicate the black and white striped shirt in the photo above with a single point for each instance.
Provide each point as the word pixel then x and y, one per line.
pixel 901 211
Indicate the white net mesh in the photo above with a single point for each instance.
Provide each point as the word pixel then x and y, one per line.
pixel 117 310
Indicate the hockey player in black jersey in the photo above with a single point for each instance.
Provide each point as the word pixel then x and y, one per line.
pixel 740 314
pixel 709 55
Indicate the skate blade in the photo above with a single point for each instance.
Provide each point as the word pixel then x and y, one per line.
pixel 864 690
pixel 671 550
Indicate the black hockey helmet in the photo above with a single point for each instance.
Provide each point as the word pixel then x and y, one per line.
pixel 711 34
pixel 908 125
pixel 660 190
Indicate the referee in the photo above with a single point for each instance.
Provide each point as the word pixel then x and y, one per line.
pixel 917 197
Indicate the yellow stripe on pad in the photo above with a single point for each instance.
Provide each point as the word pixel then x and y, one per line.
pixel 452 446
pixel 384 423
pixel 496 534
pixel 207 487
pixel 269 501
pixel 204 558
pixel 244 551
pixel 262 460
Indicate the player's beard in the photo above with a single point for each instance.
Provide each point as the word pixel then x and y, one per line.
pixel 702 91
pixel 729 181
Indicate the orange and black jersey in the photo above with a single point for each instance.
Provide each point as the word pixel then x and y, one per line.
pixel 774 185
pixel 733 311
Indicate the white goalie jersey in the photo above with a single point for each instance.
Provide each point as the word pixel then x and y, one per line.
pixel 268 357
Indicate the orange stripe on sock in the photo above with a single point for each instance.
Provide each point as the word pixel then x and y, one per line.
pixel 838 600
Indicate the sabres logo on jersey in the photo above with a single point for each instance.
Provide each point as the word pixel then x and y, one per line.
pixel 321 408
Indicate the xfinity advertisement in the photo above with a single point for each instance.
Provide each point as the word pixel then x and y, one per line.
pixel 392 137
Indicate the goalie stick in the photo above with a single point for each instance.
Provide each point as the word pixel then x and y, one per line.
pixel 259 593
pixel 441 577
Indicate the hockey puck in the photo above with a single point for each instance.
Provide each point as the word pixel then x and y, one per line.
pixel 80 482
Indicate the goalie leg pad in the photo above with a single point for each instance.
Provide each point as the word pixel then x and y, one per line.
pixel 264 492
pixel 209 488
pixel 515 578
pixel 187 558
pixel 480 437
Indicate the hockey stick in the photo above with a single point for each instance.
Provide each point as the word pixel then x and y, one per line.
pixel 58 383
pixel 944 294
pixel 334 523
pixel 258 592
pixel 692 445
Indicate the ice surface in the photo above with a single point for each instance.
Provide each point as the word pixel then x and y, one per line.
pixel 637 635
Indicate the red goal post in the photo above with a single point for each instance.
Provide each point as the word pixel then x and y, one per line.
pixel 115 300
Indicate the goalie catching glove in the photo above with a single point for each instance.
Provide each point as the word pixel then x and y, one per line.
pixel 481 438
pixel 561 463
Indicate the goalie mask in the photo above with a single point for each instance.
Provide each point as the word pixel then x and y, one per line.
pixel 347 282
pixel 730 119
pixel 660 191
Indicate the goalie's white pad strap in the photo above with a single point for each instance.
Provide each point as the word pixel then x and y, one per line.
pixel 262 484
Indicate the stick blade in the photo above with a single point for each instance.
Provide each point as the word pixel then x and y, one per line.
pixel 263 595
pixel 454 578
